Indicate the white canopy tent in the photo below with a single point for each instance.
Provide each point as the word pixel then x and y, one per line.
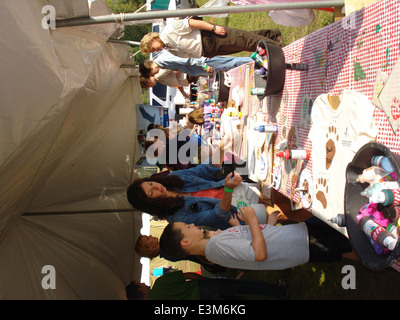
pixel 67 151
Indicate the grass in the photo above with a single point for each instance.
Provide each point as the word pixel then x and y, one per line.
pixel 323 281
pixel 261 20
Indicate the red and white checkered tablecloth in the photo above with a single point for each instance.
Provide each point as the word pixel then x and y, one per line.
pixel 344 55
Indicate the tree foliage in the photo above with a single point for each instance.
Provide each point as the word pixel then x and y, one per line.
pixel 134 32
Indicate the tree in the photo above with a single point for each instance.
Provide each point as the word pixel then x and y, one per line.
pixel 134 32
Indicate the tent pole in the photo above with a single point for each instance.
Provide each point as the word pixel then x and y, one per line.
pixel 129 42
pixel 121 17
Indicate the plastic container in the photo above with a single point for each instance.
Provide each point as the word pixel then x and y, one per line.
pixel 274 80
pixel 386 197
pixel 391 213
pixel 382 162
pixel 379 234
pixel 294 154
pixel 370 174
pixel 353 201
pixel 257 91
pixel 339 220
pixel 267 128
pixel 376 187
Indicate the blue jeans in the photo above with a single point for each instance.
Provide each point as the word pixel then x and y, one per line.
pixel 224 63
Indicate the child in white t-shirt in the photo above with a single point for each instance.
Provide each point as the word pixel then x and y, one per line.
pixel 255 246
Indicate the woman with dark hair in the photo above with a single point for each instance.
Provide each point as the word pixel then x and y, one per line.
pixel 198 195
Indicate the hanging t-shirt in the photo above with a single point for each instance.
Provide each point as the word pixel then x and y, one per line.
pixel 336 135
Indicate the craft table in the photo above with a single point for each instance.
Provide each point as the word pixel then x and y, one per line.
pixel 347 54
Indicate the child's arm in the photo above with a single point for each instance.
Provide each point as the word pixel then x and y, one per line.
pixel 230 184
pixel 248 215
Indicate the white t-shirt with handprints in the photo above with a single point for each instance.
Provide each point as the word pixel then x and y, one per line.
pixel 336 136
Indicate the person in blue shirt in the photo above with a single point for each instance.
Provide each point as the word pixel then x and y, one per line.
pixel 191 66
pixel 199 195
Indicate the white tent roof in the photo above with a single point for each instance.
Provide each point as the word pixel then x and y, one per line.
pixel 67 151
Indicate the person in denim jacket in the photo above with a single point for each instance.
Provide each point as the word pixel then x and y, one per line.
pixel 171 197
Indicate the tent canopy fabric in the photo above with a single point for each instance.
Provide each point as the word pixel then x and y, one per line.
pixel 68 148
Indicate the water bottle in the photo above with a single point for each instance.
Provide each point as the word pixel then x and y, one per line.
pixel 383 162
pixel 379 234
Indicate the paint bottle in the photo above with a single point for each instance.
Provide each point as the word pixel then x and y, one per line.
pixel 386 197
pixel 234 114
pixel 392 228
pixel 379 234
pixel 339 220
pixel 370 174
pixel 294 154
pixel 380 186
pixel 383 163
pixel 266 128
pixel 391 213
pixel 371 210
pixel 262 71
pixel 258 59
pixel 257 91
pixel 261 51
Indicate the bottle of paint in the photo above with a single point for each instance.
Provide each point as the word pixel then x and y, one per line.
pixel 257 91
pixel 261 51
pixel 386 197
pixel 379 234
pixel 339 220
pixel 266 128
pixel 258 58
pixel 383 163
pixel 377 248
pixel 294 154
pixel 391 213
pixel 261 71
pixel 380 186
pixel 392 228
pixel 370 174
